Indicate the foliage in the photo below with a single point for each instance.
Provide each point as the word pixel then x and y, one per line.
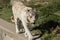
pixel 46 13
pixel 47 36
pixel 5 13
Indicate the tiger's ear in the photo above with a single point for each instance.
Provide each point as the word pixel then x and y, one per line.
pixel 28 10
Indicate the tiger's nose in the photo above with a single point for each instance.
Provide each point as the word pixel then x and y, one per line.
pixel 34 23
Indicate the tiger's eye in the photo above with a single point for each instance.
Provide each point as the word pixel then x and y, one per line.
pixel 28 10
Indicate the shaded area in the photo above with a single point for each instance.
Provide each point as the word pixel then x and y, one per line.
pixel 47 27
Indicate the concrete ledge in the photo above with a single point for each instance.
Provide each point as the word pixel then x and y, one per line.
pixel 7 31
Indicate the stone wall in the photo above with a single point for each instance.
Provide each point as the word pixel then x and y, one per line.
pixel 7 32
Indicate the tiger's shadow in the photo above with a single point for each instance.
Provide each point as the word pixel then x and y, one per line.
pixel 48 26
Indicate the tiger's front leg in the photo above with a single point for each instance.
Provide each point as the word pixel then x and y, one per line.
pixel 16 26
pixel 27 31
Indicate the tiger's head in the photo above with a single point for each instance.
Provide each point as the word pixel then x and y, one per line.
pixel 31 15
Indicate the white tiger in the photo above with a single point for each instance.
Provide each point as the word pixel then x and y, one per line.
pixel 25 14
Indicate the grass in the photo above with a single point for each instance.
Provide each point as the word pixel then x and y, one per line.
pixel 56 38
pixel 5 13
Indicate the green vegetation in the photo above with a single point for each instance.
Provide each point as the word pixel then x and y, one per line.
pixel 49 16
pixel 5 13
